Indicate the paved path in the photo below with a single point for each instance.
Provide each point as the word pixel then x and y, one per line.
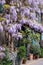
pixel 34 62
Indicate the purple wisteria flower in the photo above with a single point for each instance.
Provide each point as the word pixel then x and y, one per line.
pixel 7 21
pixel 14 35
pixel 2 55
pixel 1 28
pixel 26 11
pixel 31 25
pixel 14 13
pixel 33 16
pixel 12 9
pixel 10 30
pixel 1 48
pixel 36 27
pixel 29 1
pixel 17 36
pixel 19 26
pixel 2 2
pixel 22 21
pixel 14 16
pixel 7 16
pixel 38 10
pixel 41 29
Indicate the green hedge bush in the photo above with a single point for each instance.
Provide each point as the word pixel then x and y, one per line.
pixel 41 53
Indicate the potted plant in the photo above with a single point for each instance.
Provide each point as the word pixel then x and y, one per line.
pixel 22 54
pixel 24 61
pixel 35 50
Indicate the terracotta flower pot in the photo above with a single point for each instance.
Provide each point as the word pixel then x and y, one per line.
pixel 35 56
pixel 23 61
pixel 31 56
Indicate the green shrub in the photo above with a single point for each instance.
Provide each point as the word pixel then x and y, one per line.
pixel 35 49
pixel 41 53
pixel 22 52
pixel 5 60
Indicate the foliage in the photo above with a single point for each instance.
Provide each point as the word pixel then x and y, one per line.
pixel 29 35
pixel 1 19
pixel 35 36
pixel 1 8
pixel 35 49
pixel 26 36
pixel 5 60
pixel 22 52
pixel 41 55
pixel 6 6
